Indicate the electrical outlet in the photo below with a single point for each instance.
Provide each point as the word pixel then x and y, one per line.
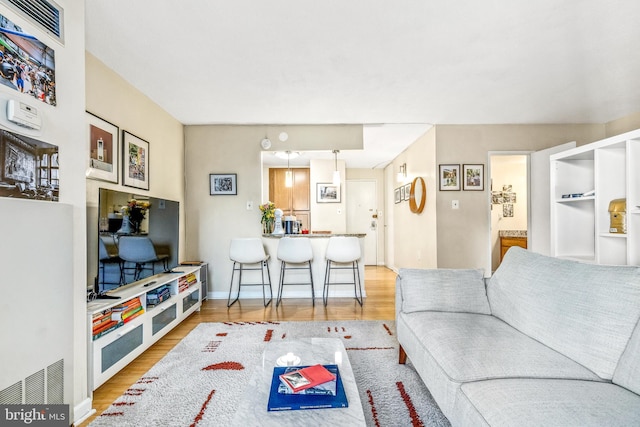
pixel 249 205
pixel 339 211
pixel 455 204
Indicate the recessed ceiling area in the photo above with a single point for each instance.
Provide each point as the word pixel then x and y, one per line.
pixel 375 62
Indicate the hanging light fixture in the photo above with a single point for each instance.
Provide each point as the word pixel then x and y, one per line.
pixel 288 175
pixel 336 172
pixel 402 173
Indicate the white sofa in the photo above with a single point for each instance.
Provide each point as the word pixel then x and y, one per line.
pixel 544 342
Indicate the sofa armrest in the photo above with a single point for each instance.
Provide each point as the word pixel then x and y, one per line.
pixel 454 290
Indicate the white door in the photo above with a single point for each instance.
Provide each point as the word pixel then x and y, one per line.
pixel 362 216
pixel 539 235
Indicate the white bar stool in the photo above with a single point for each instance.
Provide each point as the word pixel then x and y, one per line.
pixel 249 251
pixel 342 250
pixel 297 251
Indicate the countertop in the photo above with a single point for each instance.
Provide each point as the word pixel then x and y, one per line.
pixel 512 233
pixel 316 235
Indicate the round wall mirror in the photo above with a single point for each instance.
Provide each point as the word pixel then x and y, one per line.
pixel 417 195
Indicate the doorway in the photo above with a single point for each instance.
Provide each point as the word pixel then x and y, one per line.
pixel 362 215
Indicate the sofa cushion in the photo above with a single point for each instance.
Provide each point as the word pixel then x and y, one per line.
pixel 443 290
pixel 585 311
pixel 540 402
pixel 627 373
pixel 473 347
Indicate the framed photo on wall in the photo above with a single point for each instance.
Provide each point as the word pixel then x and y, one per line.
pixel 407 191
pixel 449 177
pixel 396 195
pixel 327 192
pixel 135 161
pixel 473 176
pixel 103 139
pixel 223 184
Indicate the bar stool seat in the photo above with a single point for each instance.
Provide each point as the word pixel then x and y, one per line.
pixel 343 253
pixel 245 252
pixel 139 251
pixel 296 251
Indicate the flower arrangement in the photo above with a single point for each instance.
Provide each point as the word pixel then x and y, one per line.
pixel 268 216
pixel 136 211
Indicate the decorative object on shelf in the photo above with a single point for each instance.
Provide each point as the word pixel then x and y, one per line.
pixel 223 184
pixel 618 216
pixel 277 229
pixel 268 217
pixel 327 192
pixel 103 149
pixel 418 191
pixel 133 213
pixel 135 161
pixel 473 177
pixel 449 177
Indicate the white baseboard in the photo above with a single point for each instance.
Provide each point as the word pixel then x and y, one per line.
pixel 82 411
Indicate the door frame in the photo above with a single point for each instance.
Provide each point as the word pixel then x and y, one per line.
pixel 377 208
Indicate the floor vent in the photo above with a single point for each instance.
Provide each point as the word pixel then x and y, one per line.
pixel 38 388
pixel 46 14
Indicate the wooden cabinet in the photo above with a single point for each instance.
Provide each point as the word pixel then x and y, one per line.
pixel 507 242
pixel 294 200
pixel 584 180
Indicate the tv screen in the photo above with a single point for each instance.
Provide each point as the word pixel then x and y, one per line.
pixel 158 222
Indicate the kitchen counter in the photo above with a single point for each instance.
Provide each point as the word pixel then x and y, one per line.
pixel 319 244
pixel 512 233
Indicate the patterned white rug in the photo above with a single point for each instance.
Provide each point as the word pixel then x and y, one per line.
pixel 199 382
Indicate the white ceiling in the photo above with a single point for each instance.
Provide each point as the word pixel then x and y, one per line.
pixel 375 61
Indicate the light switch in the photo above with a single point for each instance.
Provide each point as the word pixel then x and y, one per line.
pixel 455 204
pixel 249 205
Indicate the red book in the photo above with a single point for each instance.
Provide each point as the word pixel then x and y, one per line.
pixel 305 378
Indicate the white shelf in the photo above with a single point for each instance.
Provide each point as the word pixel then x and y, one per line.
pixel 575 199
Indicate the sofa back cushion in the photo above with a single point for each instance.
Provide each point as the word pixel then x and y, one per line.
pixel 628 371
pixel 443 290
pixel 585 311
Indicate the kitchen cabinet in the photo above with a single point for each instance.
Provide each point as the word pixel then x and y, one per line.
pixel 294 200
pixel 508 241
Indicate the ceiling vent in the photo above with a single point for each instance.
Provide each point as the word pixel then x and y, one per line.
pixel 46 14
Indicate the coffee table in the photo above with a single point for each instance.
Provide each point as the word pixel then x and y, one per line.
pixel 252 409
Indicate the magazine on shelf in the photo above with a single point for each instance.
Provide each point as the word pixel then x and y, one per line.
pixel 306 377
pixel 297 401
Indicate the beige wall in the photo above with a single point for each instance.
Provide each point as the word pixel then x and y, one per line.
pixel 463 233
pixel 113 99
pixel 622 125
pixel 413 237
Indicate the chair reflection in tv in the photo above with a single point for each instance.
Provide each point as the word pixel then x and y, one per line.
pixel 138 256
pixel 110 273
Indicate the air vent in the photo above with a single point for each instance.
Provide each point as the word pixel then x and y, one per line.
pixel 47 14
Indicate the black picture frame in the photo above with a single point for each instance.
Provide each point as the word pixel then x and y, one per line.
pixel 223 184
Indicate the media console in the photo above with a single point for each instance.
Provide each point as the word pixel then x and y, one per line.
pixel 119 330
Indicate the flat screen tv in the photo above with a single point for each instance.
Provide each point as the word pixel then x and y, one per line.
pixel 161 224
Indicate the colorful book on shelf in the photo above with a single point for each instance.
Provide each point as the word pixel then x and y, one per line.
pixel 133 316
pixel 127 305
pixel 129 313
pixel 97 335
pixel 306 377
pixel 105 327
pixel 327 388
pixel 297 401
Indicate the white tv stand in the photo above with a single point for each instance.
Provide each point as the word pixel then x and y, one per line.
pixel 113 350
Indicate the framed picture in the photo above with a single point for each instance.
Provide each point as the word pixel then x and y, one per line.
pixel 402 193
pixel 327 193
pixel 407 191
pixel 473 176
pixel 135 161
pixel 223 184
pixel 102 137
pixel 396 195
pixel 449 177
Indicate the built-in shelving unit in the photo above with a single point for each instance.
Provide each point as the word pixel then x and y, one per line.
pixel 143 314
pixel 584 180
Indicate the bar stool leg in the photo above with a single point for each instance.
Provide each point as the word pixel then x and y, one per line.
pixel 313 295
pixel 283 267
pixel 264 297
pixel 325 288
pixel 229 302
pixel 355 290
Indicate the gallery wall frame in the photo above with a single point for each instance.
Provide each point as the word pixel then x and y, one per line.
pixel 327 192
pixel 396 195
pixel 135 161
pixel 473 177
pixel 223 184
pixel 449 177
pixel 103 138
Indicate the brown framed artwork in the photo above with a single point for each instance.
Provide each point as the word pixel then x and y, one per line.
pixel 449 177
pixel 135 161
pixel 104 143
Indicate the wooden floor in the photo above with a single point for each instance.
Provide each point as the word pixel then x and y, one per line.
pixel 379 305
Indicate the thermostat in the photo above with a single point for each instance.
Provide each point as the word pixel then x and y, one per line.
pixel 23 115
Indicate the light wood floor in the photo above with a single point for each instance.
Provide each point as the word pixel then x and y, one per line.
pixel 379 305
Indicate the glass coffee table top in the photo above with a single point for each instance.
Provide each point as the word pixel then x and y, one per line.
pixel 252 410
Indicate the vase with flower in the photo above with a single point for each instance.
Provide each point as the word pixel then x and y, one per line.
pixel 268 217
pixel 133 213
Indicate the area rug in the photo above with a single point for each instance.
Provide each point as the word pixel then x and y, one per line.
pixel 199 382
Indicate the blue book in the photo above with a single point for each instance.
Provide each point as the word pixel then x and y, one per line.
pixel 291 402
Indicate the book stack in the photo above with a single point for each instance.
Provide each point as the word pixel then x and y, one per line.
pixel 127 311
pixel 185 281
pixel 158 295
pixel 103 324
pixel 306 387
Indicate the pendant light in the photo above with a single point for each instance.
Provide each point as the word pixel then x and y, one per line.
pixel 336 172
pixel 288 175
